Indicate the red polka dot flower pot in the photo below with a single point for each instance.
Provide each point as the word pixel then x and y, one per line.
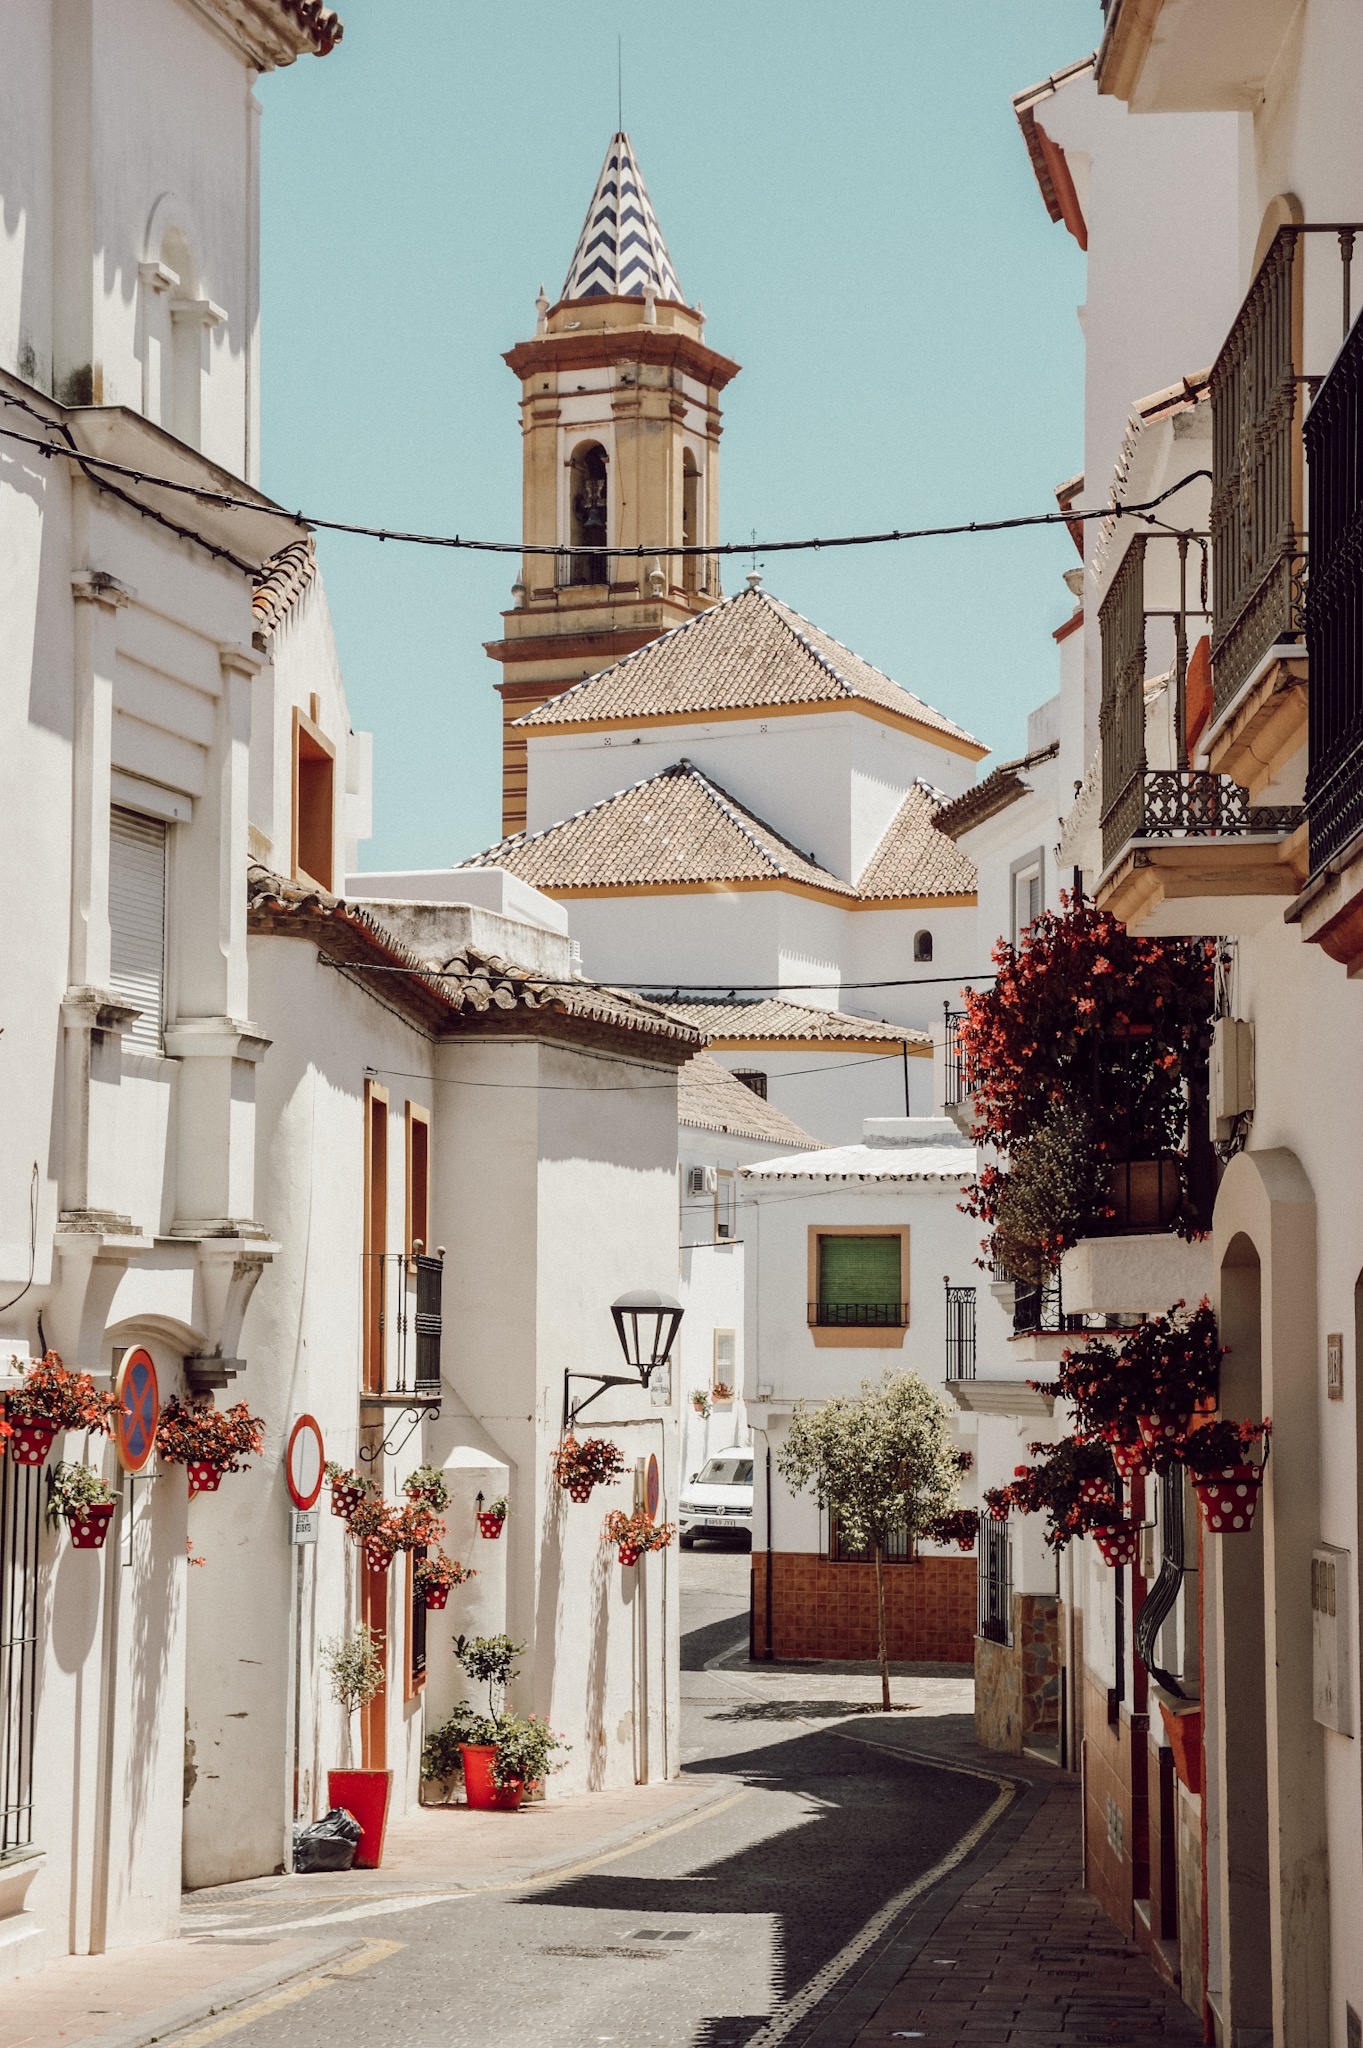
pixel 629 1553
pixel 490 1525
pixel 203 1478
pixel 437 1597
pixel 1159 1432
pixel 31 1442
pixel 580 1490
pixel 1118 1542
pixel 1130 1460
pixel 1095 1493
pixel 89 1526
pixel 345 1500
pixel 1228 1499
pixel 378 1557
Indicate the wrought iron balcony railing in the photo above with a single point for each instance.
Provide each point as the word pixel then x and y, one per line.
pixel 1180 803
pixel 957 1083
pixel 1334 610
pixel 960 1332
pixel 852 1315
pixel 403 1324
pixel 1257 525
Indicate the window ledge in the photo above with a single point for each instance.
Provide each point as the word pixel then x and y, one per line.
pixel 862 1336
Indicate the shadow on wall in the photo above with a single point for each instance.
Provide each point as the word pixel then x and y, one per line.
pixel 835 1850
pixel 598 1632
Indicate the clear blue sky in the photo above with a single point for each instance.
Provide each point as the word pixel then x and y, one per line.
pixel 845 189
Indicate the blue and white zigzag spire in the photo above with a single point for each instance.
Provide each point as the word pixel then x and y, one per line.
pixel 621 252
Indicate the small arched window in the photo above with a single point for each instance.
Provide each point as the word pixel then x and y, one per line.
pixel 922 945
pixel 587 507
pixel 691 577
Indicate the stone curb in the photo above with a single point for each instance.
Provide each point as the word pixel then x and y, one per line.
pixel 166 2021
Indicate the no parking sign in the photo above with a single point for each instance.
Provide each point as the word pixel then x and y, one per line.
pixel 139 1409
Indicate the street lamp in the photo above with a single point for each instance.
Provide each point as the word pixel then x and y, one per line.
pixel 646 1323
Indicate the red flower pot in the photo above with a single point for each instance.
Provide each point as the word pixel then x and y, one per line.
pixel 89 1526
pixel 1228 1499
pixel 1094 1490
pixel 581 1489
pixel 965 1543
pixel 345 1500
pixel 480 1790
pixel 1158 1431
pixel 378 1557
pixel 1185 1741
pixel 365 1795
pixel 203 1479
pixel 1130 1460
pixel 630 1553
pixel 31 1442
pixel 490 1526
pixel 436 1596
pixel 1119 1542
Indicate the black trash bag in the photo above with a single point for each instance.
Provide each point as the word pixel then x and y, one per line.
pixel 327 1844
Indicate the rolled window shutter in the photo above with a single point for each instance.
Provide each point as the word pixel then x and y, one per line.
pixel 137 922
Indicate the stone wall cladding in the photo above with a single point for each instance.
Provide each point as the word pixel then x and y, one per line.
pixel 1017 1684
pixel 826 1610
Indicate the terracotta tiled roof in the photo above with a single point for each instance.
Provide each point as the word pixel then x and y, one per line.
pixel 726 1019
pixel 710 1098
pixel 1025 105
pixel 320 23
pixel 749 653
pixel 447 996
pixel 281 582
pixel 994 794
pixel 676 827
pixel 916 858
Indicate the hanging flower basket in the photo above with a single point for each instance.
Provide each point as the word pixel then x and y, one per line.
pixel 1118 1542
pixel 960 1526
pixel 1159 1432
pixel 203 1478
pixel 436 1576
pixel 578 1467
pixel 436 1598
pixel 90 1527
pixel 1229 1498
pixel 629 1553
pixel 1130 1460
pixel 31 1442
pixel 208 1441
pixel 348 1490
pixel 634 1534
pixel 379 1556
pixel 428 1486
pixel 490 1519
pixel 1095 1493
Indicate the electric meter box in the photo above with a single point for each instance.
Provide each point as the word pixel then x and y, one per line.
pixel 1232 1074
pixel 1332 1693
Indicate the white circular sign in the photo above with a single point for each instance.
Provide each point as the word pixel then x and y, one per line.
pixel 305 1460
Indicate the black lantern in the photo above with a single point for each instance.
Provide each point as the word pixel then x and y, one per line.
pixel 646 1324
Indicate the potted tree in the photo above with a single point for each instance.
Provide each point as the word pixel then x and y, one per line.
pixel 883 1464
pixel 578 1467
pixel 634 1535
pixel 208 1441
pixel 503 1755
pixel 52 1398
pixel 356 1670
pixel 77 1495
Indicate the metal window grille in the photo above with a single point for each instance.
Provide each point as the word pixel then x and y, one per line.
pixel 996 1580
pixel 960 1332
pixel 754 1078
pixel 898 1545
pixel 19 1527
pixel 956 1077
pixel 409 1319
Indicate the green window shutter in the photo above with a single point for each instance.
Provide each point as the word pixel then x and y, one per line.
pixel 859 1271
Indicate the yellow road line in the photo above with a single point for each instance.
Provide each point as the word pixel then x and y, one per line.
pixel 292 1994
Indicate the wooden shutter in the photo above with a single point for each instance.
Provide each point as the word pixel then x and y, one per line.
pixel 137 921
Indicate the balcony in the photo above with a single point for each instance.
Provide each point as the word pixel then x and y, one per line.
pixel 957 1086
pixel 858 1315
pixel 402 1297
pixel 1177 842
pixel 960 1358
pixel 1259 383
pixel 1330 910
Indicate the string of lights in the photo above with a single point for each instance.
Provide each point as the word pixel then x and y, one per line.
pixel 101 467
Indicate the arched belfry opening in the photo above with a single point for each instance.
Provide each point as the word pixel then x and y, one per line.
pixel 588 514
pixel 692 579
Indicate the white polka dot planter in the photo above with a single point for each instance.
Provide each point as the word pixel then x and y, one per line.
pixel 1158 1431
pixel 90 1525
pixel 1229 1498
pixel 1118 1542
pixel 1130 1460
pixel 31 1442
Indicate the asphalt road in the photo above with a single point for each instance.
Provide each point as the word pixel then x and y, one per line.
pixel 712 1935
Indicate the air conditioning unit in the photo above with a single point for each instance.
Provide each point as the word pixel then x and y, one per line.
pixel 700 1180
pixel 1232 1074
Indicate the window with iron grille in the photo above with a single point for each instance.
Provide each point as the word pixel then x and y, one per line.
pixel 19 1526
pixel 860 1281
pixel 898 1547
pixel 754 1078
pixel 996 1580
pixel 960 1332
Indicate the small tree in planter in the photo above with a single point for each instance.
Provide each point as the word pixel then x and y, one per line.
pixel 77 1495
pixel 578 1467
pixel 348 1489
pixel 503 1754
pixel 437 1576
pixel 208 1441
pixel 491 1517
pixel 883 1464
pixel 50 1399
pixel 635 1535
pixel 356 1669
pixel 1225 1482
pixel 428 1484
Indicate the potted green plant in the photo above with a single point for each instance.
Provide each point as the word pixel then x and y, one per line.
pixel 442 1761
pixel 491 1517
pixel 428 1484
pixel 208 1441
pixel 1225 1482
pixel 53 1398
pixel 356 1670
pixel 348 1489
pixel 700 1401
pixel 77 1495
pixel 634 1535
pixel 436 1576
pixel 578 1467
pixel 503 1755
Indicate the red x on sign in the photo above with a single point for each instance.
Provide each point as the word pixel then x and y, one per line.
pixel 139 1410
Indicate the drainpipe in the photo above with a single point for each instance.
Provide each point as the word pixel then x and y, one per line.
pixel 766 1652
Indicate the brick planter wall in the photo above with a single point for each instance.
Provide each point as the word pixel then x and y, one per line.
pixel 821 1609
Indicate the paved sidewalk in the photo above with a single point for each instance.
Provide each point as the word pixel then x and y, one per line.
pixel 1025 1959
